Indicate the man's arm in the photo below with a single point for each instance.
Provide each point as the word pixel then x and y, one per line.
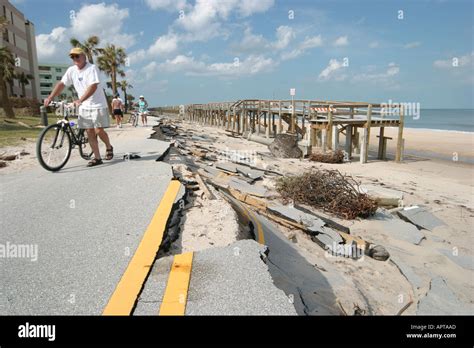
pixel 89 92
pixel 56 91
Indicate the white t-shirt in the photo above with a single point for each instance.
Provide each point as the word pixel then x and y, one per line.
pixel 82 79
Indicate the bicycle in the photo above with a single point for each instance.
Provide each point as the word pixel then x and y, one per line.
pixel 55 143
pixel 133 119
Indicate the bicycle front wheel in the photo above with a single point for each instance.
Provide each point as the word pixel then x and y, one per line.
pixel 85 149
pixel 54 147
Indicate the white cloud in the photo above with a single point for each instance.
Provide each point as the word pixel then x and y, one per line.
pixel 204 20
pixel 308 43
pixel 249 7
pixel 168 5
pixel 103 20
pixel 252 65
pixel 165 44
pixel 462 61
pixel 49 45
pixel 250 42
pixel 149 70
pixel 383 77
pixel 341 41
pixel 284 36
pixel 332 71
pixel 412 45
pixel 373 44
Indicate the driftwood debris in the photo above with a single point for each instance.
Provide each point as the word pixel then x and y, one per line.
pixel 328 190
pixel 328 157
pixel 204 187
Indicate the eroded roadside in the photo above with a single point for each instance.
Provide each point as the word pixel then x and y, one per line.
pixel 313 281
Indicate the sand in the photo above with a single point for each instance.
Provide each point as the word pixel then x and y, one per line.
pixel 445 187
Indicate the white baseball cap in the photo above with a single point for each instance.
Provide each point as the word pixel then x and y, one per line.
pixel 141 96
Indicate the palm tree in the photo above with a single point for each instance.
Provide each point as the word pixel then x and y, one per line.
pixel 124 85
pixel 7 71
pixel 24 79
pixel 89 47
pixel 73 91
pixel 110 61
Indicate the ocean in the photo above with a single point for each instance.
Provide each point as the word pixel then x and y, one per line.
pixel 461 120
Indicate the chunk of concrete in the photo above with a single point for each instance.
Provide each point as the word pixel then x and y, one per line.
pixel 407 271
pixel 383 196
pixel 248 172
pixel 420 217
pixel 441 300
pixel 285 146
pixel 244 187
pixel 397 228
pixel 312 223
pixel 465 261
pixel 228 167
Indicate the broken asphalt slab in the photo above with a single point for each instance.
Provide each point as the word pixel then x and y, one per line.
pixel 421 217
pixel 441 300
pixel 397 228
pixel 465 261
pixel 230 280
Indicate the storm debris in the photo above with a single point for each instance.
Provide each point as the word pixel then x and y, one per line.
pixel 328 190
pixel 328 157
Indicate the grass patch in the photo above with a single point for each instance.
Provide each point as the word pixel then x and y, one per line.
pixel 11 131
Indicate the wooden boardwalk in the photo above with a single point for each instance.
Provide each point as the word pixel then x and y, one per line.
pixel 318 122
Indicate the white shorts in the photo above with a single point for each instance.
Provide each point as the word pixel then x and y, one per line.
pixel 93 118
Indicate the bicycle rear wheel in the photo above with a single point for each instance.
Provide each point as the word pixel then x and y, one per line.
pixel 54 147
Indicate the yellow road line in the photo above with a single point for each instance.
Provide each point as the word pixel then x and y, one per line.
pixel 249 214
pixel 260 236
pixel 176 293
pixel 126 293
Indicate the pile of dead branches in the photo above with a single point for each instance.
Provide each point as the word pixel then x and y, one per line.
pixel 328 157
pixel 328 190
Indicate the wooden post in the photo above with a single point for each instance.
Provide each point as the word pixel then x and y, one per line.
pixel 348 146
pixel 365 153
pixel 399 154
pixel 258 118
pixel 330 125
pixel 381 143
pixel 280 124
pixel 335 138
pixel 324 139
pixel 293 119
pixel 363 150
pixel 356 140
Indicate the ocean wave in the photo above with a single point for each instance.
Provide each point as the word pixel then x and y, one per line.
pixel 440 130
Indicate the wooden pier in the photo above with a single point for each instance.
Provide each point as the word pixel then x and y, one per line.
pixel 318 123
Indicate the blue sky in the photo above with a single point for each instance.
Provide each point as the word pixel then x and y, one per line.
pixel 183 51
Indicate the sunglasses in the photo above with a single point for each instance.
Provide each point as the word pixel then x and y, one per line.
pixel 74 56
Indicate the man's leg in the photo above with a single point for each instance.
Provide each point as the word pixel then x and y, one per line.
pixel 103 136
pixel 91 134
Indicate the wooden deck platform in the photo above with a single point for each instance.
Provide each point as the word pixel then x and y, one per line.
pixel 318 123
